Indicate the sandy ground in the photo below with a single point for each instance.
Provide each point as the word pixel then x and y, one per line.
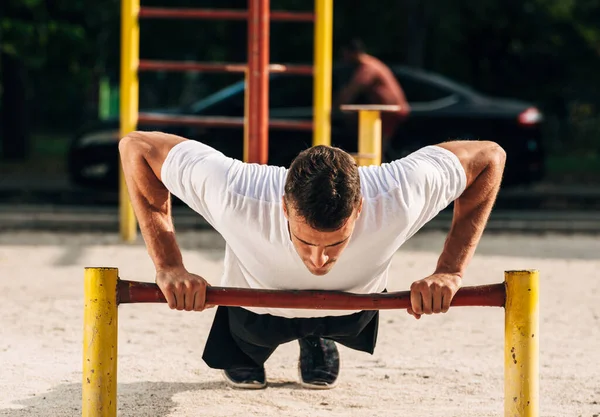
pixel 443 365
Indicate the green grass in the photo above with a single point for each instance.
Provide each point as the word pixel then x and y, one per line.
pixel 570 168
pixel 48 157
pixel 573 164
pixel 50 144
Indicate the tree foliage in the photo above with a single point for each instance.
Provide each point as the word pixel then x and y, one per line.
pixel 543 50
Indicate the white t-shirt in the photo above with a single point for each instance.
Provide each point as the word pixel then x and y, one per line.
pixel 243 203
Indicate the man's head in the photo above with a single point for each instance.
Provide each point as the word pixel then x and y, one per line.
pixel 322 202
pixel 352 51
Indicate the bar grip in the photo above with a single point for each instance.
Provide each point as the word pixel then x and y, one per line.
pixel 491 295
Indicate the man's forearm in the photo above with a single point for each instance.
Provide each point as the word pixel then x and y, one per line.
pixel 471 212
pixel 157 228
pixel 152 205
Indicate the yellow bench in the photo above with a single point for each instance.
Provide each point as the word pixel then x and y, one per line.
pixel 369 130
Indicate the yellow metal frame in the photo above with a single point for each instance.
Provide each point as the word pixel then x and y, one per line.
pixel 522 344
pixel 323 50
pixel 369 137
pixel 369 131
pixel 129 104
pixel 100 331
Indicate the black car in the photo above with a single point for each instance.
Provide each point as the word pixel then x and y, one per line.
pixel 441 110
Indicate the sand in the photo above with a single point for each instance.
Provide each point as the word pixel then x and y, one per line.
pixel 442 365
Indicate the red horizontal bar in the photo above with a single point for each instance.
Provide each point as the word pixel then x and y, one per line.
pixel 183 13
pixel 226 14
pixel 218 121
pixel 292 69
pixel 151 65
pixel 283 16
pixel 147 65
pixel 492 295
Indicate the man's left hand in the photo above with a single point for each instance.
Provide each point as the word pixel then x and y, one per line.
pixel 433 294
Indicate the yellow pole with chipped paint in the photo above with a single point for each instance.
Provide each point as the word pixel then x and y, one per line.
pixel 129 104
pixel 521 349
pixel 100 329
pixel 369 137
pixel 323 51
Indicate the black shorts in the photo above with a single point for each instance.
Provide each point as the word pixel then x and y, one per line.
pixel 241 338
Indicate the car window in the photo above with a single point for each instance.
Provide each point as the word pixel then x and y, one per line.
pixel 231 105
pixel 285 91
pixel 417 90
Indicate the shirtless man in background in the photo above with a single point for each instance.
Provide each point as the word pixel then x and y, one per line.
pixel 375 81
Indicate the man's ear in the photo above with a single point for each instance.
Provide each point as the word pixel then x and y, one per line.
pixel 360 206
pixel 284 205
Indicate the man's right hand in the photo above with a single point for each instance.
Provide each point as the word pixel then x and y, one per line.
pixel 182 289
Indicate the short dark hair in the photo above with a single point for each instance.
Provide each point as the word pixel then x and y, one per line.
pixel 323 187
pixel 355 46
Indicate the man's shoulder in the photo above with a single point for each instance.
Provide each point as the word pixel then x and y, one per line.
pixel 395 174
pixel 196 150
pixel 372 61
pixel 263 183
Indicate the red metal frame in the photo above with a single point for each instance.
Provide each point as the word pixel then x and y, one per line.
pixel 227 14
pixel 258 16
pixel 258 81
pixel 152 65
pixel 217 121
pixel 492 295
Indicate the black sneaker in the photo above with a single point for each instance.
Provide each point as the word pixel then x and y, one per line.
pixel 246 378
pixel 319 365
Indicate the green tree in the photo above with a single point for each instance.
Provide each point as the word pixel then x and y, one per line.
pixel 33 34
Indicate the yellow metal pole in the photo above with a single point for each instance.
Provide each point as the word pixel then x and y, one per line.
pixel 369 137
pixel 129 105
pixel 323 50
pixel 99 385
pixel 521 349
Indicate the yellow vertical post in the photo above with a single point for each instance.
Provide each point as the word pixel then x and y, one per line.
pixel 369 137
pixel 521 349
pixel 323 50
pixel 99 385
pixel 129 105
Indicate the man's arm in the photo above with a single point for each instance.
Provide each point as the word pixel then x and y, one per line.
pixel 404 105
pixel 348 92
pixel 483 163
pixel 362 76
pixel 142 156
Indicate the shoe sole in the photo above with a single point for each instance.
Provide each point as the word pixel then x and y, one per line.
pixel 316 386
pixel 243 385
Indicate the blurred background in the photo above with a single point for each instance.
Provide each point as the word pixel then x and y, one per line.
pixel 522 73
